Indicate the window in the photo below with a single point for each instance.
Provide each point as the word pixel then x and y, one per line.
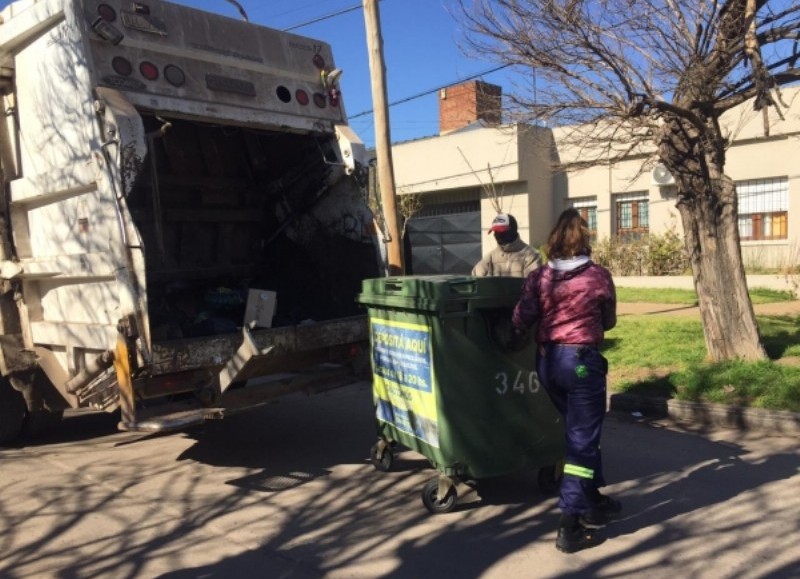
pixel 633 215
pixel 587 207
pixel 763 209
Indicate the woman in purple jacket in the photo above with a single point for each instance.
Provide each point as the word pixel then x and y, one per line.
pixel 572 301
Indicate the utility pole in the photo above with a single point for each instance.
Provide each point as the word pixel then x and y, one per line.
pixel 383 145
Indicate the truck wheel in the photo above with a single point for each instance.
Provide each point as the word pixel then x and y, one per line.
pixel 12 412
pixel 41 422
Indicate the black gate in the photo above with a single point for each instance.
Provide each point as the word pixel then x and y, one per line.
pixel 444 243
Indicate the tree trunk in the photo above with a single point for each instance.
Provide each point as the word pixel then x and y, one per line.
pixel 712 240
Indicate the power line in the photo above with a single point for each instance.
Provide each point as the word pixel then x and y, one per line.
pixel 433 90
pixel 325 17
pixel 401 101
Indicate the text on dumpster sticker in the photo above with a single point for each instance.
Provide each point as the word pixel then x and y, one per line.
pixel 402 355
pixel 403 378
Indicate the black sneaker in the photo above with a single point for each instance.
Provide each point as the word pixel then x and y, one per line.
pixel 604 510
pixel 577 538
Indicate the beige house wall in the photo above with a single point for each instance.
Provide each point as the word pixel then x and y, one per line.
pixel 750 156
pixel 457 160
pixel 513 161
pixel 767 159
pixel 521 162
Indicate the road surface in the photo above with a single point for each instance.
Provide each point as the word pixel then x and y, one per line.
pixel 287 491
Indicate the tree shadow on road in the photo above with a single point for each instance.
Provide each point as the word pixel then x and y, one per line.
pixel 287 491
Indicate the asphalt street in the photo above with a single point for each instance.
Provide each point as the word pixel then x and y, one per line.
pixel 287 491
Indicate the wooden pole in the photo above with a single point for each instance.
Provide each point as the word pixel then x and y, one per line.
pixel 383 145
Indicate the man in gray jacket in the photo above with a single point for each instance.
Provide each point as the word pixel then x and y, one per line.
pixel 512 257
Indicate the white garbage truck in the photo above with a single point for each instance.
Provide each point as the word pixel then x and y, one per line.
pixel 184 225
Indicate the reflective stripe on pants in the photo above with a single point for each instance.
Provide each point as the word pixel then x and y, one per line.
pixel 575 379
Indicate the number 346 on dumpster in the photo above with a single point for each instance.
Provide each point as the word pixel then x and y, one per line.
pixel 519 383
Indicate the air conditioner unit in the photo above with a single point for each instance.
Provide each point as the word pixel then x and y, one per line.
pixel 661 176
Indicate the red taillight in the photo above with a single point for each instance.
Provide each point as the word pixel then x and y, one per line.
pixel 333 97
pixel 301 96
pixel 106 12
pixel 319 100
pixel 319 62
pixel 148 70
pixel 174 75
pixel 122 66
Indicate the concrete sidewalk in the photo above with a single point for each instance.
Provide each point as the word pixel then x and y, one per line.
pixel 775 282
pixel 791 308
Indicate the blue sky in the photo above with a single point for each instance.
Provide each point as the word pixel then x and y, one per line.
pixel 421 51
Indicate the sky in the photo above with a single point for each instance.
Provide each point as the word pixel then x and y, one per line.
pixel 421 45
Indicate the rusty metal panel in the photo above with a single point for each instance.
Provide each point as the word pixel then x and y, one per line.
pixel 215 351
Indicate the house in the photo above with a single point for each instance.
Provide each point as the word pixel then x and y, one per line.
pixel 478 166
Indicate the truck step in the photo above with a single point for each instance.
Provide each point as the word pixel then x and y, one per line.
pixel 173 421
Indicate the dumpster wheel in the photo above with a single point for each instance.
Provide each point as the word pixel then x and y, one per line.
pixel 433 489
pixel 381 456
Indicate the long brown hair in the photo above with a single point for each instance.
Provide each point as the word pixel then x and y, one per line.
pixel 570 236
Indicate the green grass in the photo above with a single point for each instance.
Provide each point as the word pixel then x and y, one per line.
pixel 665 356
pixel 689 297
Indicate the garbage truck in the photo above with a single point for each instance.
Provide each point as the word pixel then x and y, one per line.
pixel 184 225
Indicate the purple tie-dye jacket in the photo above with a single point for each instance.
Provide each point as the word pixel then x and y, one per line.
pixel 573 302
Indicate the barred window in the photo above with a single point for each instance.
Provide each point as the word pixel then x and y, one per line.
pixel 763 209
pixel 587 207
pixel 632 215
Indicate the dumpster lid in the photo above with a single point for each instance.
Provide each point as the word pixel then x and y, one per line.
pixel 437 292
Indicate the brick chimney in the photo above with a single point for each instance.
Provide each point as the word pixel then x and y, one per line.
pixel 465 103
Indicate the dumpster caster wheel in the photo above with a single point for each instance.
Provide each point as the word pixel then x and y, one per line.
pixel 549 478
pixel 381 460
pixel 432 502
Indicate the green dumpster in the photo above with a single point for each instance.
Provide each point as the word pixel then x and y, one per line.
pixel 447 385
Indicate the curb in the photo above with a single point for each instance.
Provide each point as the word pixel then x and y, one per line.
pixel 706 414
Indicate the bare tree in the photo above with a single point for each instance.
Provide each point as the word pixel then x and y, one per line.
pixel 408 204
pixel 631 74
pixel 490 189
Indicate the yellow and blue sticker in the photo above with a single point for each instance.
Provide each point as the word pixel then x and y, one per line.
pixel 403 378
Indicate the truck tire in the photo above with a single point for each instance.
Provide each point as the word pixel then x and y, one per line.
pixel 12 412
pixel 41 422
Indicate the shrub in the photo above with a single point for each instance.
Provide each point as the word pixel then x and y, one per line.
pixel 649 254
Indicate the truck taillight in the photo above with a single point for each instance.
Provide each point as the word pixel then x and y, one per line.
pixel 320 100
pixel 174 75
pixel 148 70
pixel 301 96
pixel 106 12
pixel 122 66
